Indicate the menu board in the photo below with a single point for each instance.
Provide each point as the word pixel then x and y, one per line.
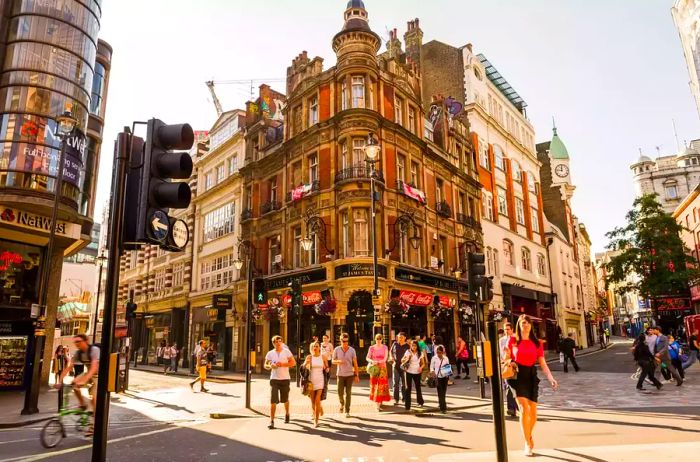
pixel 13 354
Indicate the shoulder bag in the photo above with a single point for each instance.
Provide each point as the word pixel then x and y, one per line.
pixel 509 371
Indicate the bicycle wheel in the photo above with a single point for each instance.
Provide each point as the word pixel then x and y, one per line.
pixel 52 433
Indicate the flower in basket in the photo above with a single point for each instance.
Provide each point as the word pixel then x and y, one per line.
pixel 257 314
pixel 276 308
pixel 396 306
pixel 326 307
pixel 439 311
pixel 466 311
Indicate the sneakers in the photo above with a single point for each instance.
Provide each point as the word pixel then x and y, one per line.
pixel 192 386
pixel 205 390
pixel 680 382
pixel 347 415
pixel 286 418
pixel 272 425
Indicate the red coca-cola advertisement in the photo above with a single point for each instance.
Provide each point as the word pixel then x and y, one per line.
pixel 421 299
pixel 310 298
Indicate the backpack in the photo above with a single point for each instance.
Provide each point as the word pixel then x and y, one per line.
pixel 89 354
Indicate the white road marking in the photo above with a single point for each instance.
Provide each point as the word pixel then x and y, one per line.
pixel 17 441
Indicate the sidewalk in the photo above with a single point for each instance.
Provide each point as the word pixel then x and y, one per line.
pixel 12 402
pixel 552 356
pixel 215 376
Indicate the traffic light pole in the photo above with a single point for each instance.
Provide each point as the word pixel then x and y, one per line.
pixel 122 154
pixel 499 422
pixel 298 302
pixel 480 337
pixel 248 322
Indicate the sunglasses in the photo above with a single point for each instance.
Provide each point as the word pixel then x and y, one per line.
pixel 345 340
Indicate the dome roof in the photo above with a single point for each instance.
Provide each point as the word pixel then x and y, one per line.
pixel 356 4
pixel 643 159
pixel 557 150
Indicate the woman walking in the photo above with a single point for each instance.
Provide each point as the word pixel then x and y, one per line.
pixel 413 363
pixel 645 361
pixel 526 350
pixel 59 358
pixel 462 357
pixel 318 366
pixel 441 374
pixel 675 351
pixel 377 357
pixel 167 354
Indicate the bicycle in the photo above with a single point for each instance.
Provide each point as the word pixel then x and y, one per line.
pixel 54 430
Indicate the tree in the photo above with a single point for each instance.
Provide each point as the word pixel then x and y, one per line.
pixel 651 258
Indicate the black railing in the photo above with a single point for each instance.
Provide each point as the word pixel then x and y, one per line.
pixel 355 173
pixel 468 221
pixel 443 209
pixel 270 206
pixel 246 214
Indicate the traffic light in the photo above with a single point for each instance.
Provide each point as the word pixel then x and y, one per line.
pixel 259 291
pixel 297 297
pixel 150 189
pixel 488 289
pixel 477 270
pixel 131 310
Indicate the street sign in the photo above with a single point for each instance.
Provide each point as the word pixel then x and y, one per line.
pixel 180 233
pixel 159 224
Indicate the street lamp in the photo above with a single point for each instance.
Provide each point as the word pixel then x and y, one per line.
pixel 372 150
pixel 65 123
pixel 101 258
pixel 306 243
pixel 249 249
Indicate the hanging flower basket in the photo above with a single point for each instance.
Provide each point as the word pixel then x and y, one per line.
pixel 440 311
pixel 276 309
pixel 397 306
pixel 466 311
pixel 257 314
pixel 326 307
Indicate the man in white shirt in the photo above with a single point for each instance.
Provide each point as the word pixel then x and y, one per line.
pixel 278 361
pixel 505 336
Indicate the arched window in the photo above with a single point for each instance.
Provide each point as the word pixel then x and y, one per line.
pixel 508 252
pixel 541 265
pixel 477 74
pixel 526 258
pixel 498 157
pixel 517 173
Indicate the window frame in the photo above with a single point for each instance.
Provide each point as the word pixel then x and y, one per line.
pixel 313 167
pixel 526 259
pixel 508 252
pixel 502 201
pixel 487 205
pixel 519 211
pixel 313 110
pixel 357 95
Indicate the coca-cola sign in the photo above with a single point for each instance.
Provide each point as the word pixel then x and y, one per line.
pixel 421 299
pixel 310 298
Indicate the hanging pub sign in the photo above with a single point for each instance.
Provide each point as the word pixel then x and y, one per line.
pixel 222 301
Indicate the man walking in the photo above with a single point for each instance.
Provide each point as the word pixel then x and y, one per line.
pixel 347 372
pixel 398 350
pixel 504 337
pixel 693 350
pixel 661 352
pixel 568 347
pixel 278 361
pixel 201 364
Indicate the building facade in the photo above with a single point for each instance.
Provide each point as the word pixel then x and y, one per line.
pixel 51 60
pixel 511 203
pixel 586 268
pixel 670 177
pixel 687 214
pixel 315 182
pixel 686 15
pixel 217 210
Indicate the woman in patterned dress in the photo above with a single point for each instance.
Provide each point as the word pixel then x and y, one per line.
pixel 378 355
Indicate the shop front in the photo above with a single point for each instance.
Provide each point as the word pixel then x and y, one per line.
pixel 671 313
pixel 20 266
pixel 538 305
pixel 209 323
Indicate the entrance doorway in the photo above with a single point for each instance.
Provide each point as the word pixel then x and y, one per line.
pixel 444 328
pixel 311 324
pixel 359 323
pixel 413 323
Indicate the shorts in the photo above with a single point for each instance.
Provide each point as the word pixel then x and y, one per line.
pixel 202 370
pixel 91 385
pixel 279 391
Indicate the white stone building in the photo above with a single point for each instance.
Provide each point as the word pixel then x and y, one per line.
pixel 686 15
pixel 671 177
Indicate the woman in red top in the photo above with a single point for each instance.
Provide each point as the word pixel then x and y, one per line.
pixel 526 351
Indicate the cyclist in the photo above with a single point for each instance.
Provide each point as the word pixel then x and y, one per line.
pixel 88 355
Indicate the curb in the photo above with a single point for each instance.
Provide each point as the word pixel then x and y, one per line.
pixel 213 378
pixel 24 423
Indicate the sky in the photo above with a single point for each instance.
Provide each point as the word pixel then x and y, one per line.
pixel 611 72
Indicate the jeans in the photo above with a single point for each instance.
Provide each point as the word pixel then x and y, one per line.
pixel 462 363
pixel 345 391
pixel 666 359
pixel 569 357
pixel 173 364
pixel 692 357
pixel 678 364
pixel 410 380
pixel 510 398
pixel 398 381
pixel 647 371
pixel 442 392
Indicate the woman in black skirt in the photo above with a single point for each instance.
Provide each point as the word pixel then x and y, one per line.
pixel 526 350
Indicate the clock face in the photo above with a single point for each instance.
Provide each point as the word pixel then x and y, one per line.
pixel 562 171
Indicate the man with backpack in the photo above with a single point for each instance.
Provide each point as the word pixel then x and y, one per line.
pixel 89 355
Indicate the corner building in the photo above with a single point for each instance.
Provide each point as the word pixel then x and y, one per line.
pixel 50 60
pixel 315 182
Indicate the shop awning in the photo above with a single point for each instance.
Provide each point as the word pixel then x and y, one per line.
pixel 70 310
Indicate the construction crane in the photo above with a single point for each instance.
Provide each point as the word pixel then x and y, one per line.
pixel 217 103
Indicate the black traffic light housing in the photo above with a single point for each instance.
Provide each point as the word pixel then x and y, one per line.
pixel 477 270
pixel 259 291
pixel 131 309
pixel 150 189
pixel 488 289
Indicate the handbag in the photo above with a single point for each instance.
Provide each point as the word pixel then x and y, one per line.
pixel 509 371
pixel 561 358
pixel 431 382
pixel 446 370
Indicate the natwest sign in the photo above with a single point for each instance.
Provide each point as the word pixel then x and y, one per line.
pixel 37 222
pixel 421 299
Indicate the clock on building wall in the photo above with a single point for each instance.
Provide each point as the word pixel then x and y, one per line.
pixel 562 171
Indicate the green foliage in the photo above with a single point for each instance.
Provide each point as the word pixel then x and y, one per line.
pixel 652 259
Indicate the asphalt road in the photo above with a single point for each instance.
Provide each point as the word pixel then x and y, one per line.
pixel 162 420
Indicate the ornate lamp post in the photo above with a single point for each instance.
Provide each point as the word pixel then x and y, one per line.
pixel 372 150
pixel 248 250
pixel 101 259
pixel 65 123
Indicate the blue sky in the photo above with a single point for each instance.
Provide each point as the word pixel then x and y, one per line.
pixel 611 72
